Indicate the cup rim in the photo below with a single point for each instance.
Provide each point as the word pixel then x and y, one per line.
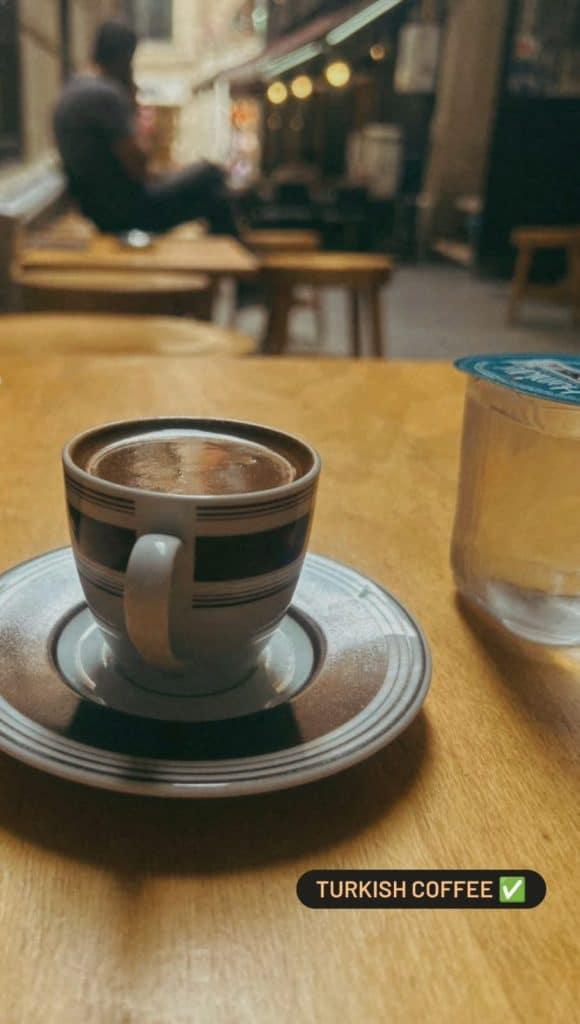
pixel 237 498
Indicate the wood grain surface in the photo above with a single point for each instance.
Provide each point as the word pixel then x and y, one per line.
pixel 216 255
pixel 269 240
pixel 110 282
pixel 118 292
pixel 121 910
pixel 330 268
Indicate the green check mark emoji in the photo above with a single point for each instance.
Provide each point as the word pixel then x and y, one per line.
pixel 512 889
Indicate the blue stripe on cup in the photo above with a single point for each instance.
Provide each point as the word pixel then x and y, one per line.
pixel 217 559
pixel 100 542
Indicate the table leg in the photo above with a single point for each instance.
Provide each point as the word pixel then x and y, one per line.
pixel 230 290
pixel 355 323
pixel 379 345
pixel 319 314
pixel 276 339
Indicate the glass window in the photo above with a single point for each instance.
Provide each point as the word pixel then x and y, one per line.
pixel 9 80
pixel 151 19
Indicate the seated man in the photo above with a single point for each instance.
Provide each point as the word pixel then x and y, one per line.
pixel 106 166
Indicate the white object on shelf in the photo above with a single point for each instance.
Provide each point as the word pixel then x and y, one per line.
pixel 416 70
pixel 381 153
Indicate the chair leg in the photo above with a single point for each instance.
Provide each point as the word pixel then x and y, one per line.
pixel 318 306
pixel 355 339
pixel 379 344
pixel 520 281
pixel 276 339
pixel 231 289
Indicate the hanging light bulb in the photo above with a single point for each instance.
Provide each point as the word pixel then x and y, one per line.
pixel 378 51
pixel 302 87
pixel 338 74
pixel 277 93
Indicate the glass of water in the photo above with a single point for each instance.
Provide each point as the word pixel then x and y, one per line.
pixel 516 542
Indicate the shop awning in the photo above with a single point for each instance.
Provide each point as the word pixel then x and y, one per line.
pixel 301 43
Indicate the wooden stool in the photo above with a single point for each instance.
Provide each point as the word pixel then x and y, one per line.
pixel 155 293
pixel 268 241
pixel 78 334
pixel 363 275
pixel 527 241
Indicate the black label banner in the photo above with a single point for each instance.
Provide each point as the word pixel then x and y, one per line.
pixel 505 889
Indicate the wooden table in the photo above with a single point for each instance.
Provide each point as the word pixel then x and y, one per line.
pixel 138 292
pixel 214 255
pixel 50 333
pixel 120 909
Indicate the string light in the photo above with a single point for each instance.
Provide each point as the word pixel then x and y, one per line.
pixel 338 74
pixel 302 87
pixel 277 93
pixel 378 51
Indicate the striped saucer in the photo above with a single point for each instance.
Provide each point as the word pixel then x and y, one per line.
pixel 346 673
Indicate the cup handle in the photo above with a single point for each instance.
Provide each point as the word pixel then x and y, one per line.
pixel 150 583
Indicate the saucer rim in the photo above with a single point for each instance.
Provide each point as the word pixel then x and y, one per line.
pixel 283 777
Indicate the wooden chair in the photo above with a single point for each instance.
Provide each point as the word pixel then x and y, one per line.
pixel 527 241
pixel 154 293
pixel 78 334
pixel 363 275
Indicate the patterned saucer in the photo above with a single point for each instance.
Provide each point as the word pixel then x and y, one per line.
pixel 345 674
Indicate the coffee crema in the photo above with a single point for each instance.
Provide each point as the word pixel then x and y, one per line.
pixel 194 462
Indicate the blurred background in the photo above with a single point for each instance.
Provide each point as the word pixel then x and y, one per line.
pixel 430 131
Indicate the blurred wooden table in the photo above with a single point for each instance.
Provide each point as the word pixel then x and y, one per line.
pixel 135 293
pixel 214 255
pixel 120 909
pixel 55 333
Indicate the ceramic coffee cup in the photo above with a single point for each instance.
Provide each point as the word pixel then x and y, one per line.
pixel 187 588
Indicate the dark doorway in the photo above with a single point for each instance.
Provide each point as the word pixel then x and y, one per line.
pixel 10 135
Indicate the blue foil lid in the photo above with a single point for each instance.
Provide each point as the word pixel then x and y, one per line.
pixel 556 378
